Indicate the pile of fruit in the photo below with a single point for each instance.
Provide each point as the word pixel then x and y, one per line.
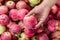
pixel 14 25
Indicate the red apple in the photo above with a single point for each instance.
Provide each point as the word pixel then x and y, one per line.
pixel 3 9
pixel 10 4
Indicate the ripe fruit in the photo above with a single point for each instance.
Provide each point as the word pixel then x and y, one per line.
pixel 14 29
pixel 30 32
pixel 2 29
pixel 4 19
pixel 6 36
pixel 21 5
pixel 30 22
pixel 43 36
pixel 53 25
pixel 55 35
pixel 13 14
pixel 10 4
pixel 21 13
pixel 3 9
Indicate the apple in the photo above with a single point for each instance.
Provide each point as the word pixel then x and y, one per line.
pixel 4 19
pixel 21 13
pixel 13 14
pixel 6 36
pixel 21 5
pixel 10 4
pixel 30 22
pixel 3 9
pixel 2 29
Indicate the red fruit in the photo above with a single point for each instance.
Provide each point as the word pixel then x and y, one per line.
pixel 4 19
pixel 58 14
pixel 3 10
pixel 54 9
pixel 55 35
pixel 14 29
pixel 30 22
pixel 29 33
pixel 0 38
pixel 43 36
pixel 21 13
pixel 13 14
pixel 52 25
pixel 21 5
pixel 14 38
pixel 10 4
pixel 6 36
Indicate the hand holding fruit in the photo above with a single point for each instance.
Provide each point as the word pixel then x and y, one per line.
pixel 42 11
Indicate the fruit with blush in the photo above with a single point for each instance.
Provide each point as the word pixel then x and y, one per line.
pixel 30 22
pixel 10 4
pixel 21 13
pixel 6 36
pixel 42 36
pixel 13 14
pixel 55 35
pixel 14 28
pixel 4 19
pixel 3 9
pixel 21 5
pixel 29 32
pixel 53 25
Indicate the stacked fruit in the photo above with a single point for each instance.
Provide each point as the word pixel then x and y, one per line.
pixel 15 26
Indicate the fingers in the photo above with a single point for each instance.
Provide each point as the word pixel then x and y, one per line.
pixel 43 16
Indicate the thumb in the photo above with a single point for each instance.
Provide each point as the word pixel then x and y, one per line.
pixel 43 16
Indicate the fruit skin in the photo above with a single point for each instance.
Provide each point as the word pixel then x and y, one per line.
pixel 34 2
pixel 29 32
pixel 52 25
pixel 34 38
pixel 13 14
pixel 4 19
pixel 10 4
pixel 6 36
pixel 14 38
pixel 21 13
pixel 42 36
pixel 14 28
pixel 21 5
pixel 58 15
pixel 55 34
pixel 2 29
pixel 58 3
pixel 24 37
pixel 30 22
pixel 3 9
